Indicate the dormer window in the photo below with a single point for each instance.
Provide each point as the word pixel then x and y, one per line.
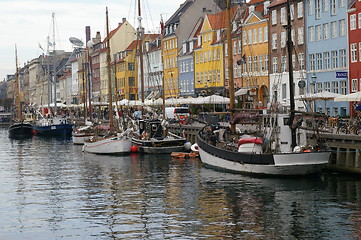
pixel 218 35
pixel 199 40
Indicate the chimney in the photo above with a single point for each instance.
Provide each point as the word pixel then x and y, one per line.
pixel 87 34
pixel 124 20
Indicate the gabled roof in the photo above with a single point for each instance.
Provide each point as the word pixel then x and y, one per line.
pixel 253 2
pixel 182 9
pixel 133 45
pixel 111 34
pixel 218 20
pixel 276 3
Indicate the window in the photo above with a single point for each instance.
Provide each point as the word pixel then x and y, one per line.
pixel 335 87
pixel 342 28
pixel 325 5
pixel 318 33
pixel 235 47
pixel 283 16
pixel 265 34
pixel 266 62
pixel 310 7
pixel 318 61
pixel 250 36
pixel 284 91
pixel 292 11
pixel 250 61
pixel 326 31
pixel 359 48
pixel 343 87
pixel 353 22
pixel 354 85
pixel 300 36
pixel 333 7
pixel 300 9
pixel 245 37
pixel 311 34
pixel 319 87
pixel 283 63
pixel 255 64
pixel 260 60
pixel 342 3
pixel 334 59
pixel 255 36
pixel 301 61
pixel 353 51
pixel 359 20
pixel 327 87
pixel 274 65
pixel 343 61
pixel 318 9
pixel 131 66
pixel 312 62
pixel 131 81
pixel 274 17
pixel 260 35
pixel 333 29
pixel 274 41
pixel 283 39
pixel 326 60
pixel 239 47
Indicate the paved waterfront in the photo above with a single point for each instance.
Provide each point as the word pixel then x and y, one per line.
pixel 51 190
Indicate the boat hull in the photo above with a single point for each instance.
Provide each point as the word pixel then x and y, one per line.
pixel 111 145
pixel 287 164
pixel 80 138
pixel 54 130
pixel 160 146
pixel 20 130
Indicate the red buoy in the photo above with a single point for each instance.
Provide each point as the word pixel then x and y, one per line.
pixel 134 148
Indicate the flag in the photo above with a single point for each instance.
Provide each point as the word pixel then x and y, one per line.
pixel 41 47
pixel 161 25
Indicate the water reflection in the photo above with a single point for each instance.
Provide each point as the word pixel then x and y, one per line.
pixel 53 190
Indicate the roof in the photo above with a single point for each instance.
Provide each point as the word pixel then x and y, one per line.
pixel 111 34
pixel 252 2
pixel 276 3
pixel 218 20
pixel 176 16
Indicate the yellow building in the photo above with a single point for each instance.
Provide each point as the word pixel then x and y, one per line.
pixel 209 55
pixel 255 55
pixel 126 72
pixel 170 54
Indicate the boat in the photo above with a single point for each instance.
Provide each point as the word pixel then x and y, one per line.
pixel 153 140
pixel 113 142
pixel 81 134
pixel 153 137
pixel 270 150
pixel 20 128
pixel 53 126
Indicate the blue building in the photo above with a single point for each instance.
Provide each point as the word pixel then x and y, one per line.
pixel 186 70
pixel 326 52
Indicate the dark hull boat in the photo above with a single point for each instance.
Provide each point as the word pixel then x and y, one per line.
pixel 53 127
pixel 153 141
pixel 20 130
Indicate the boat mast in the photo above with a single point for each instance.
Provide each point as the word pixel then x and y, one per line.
pixel 140 35
pixel 17 88
pixel 290 75
pixel 230 61
pixel 54 68
pixel 111 124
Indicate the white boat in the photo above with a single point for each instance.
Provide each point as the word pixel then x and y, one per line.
pixel 277 147
pixel 80 135
pixel 109 145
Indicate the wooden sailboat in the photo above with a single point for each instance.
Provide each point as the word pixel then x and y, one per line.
pixel 55 125
pixel 274 150
pixel 19 129
pixel 153 137
pixel 114 143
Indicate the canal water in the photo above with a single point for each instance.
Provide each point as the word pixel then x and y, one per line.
pixel 50 189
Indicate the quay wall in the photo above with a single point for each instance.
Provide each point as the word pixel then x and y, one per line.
pixel 346 148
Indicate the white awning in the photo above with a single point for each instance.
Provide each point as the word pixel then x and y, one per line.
pixel 241 91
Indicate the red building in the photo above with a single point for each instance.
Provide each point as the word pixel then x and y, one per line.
pixel 354 56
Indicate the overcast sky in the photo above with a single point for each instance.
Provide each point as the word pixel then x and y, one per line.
pixel 27 23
